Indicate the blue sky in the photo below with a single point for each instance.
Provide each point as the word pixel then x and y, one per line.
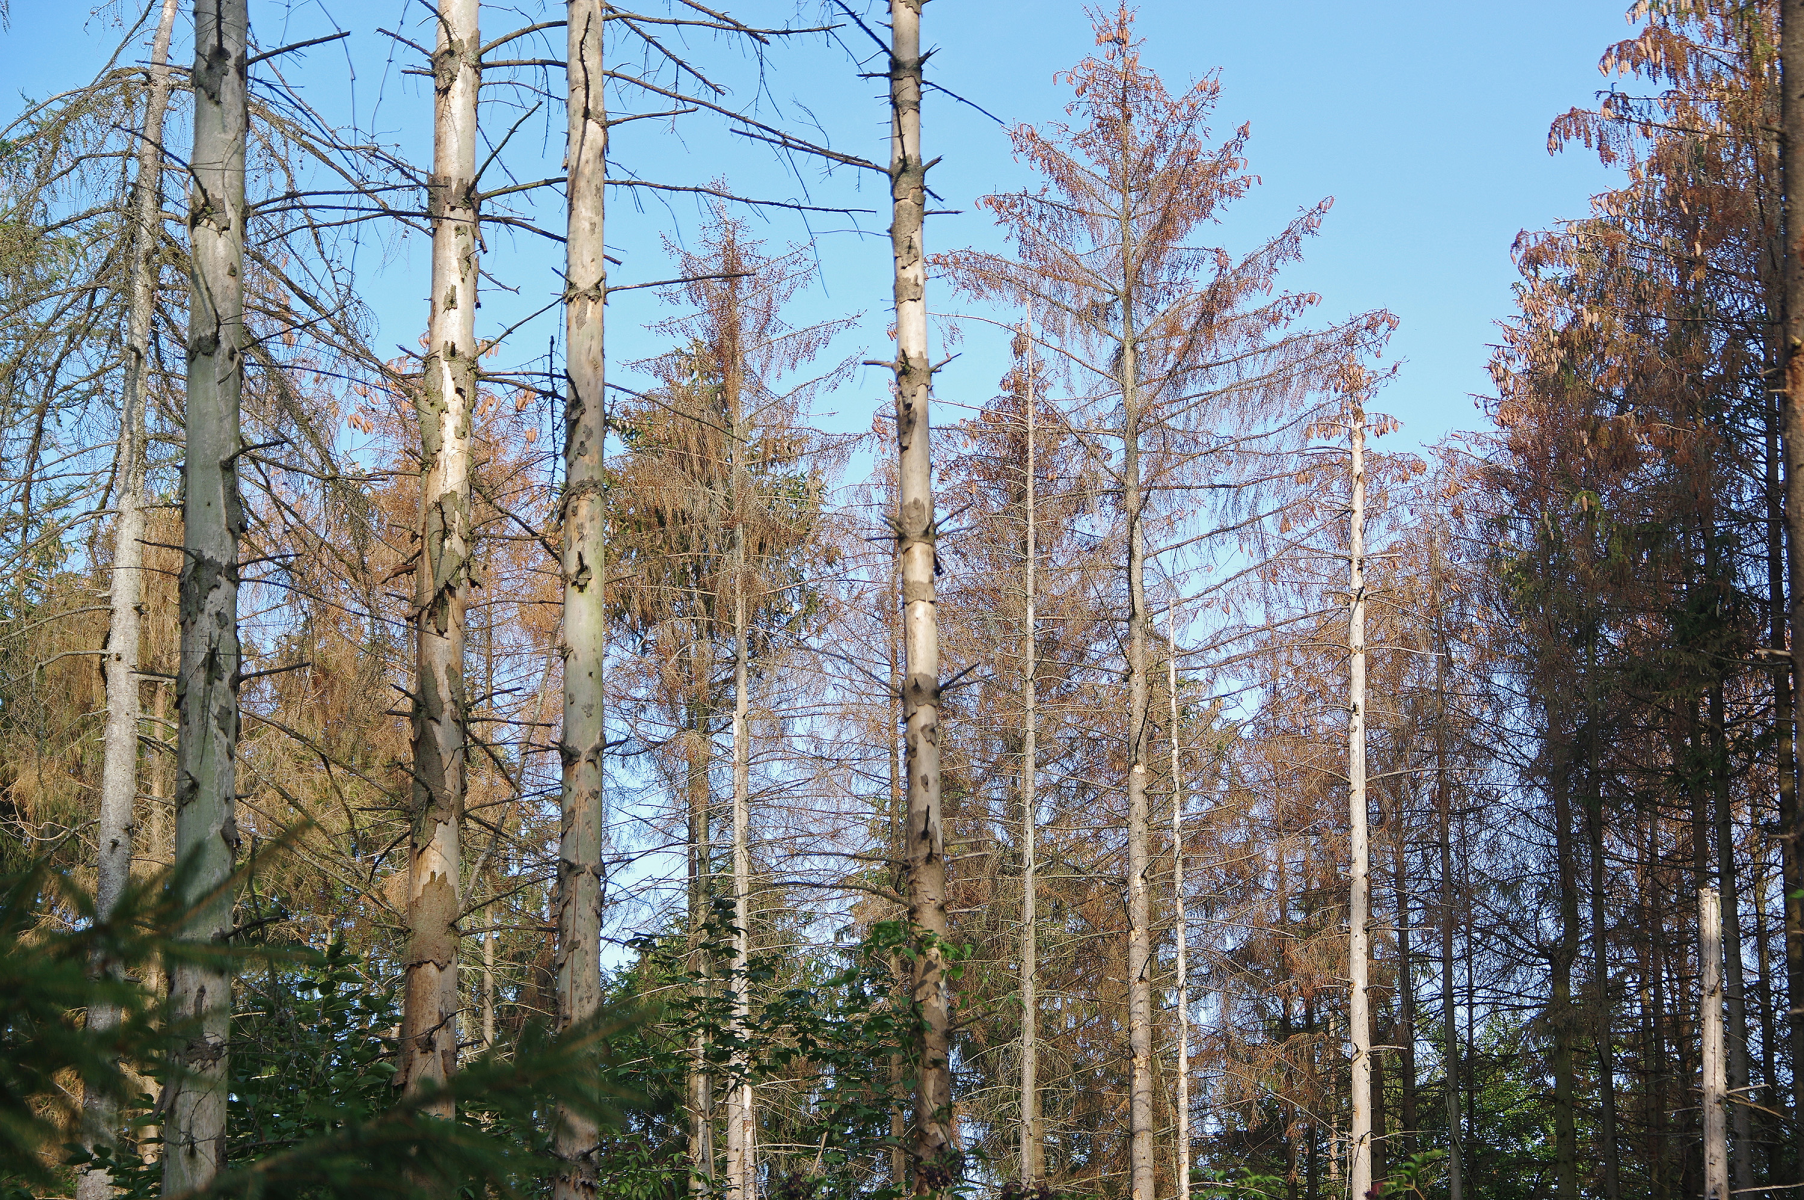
pixel 1426 122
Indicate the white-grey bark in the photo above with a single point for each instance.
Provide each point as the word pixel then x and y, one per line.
pixel 584 519
pixel 1710 1018
pixel 118 824
pixel 1032 1136
pixel 742 1148
pixel 1359 1017
pixel 1182 1099
pixel 206 833
pixel 934 1148
pixel 1450 1057
pixel 445 405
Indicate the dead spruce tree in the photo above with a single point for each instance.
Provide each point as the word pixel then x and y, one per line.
pixel 206 832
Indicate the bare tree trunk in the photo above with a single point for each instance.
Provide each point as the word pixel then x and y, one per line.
pixel 1791 159
pixel 1182 1100
pixel 119 763
pixel 1742 1150
pixel 935 1148
pixel 1450 1054
pixel 1716 1084
pixel 1032 1137
pixel 700 797
pixel 1359 1014
pixel 445 405
pixel 584 568
pixel 206 833
pixel 742 1163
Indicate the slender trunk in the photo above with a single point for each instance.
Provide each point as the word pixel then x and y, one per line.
pixel 206 833
pixel 1735 993
pixel 119 763
pixel 742 1162
pixel 898 803
pixel 1561 1015
pixel 583 742
pixel 446 406
pixel 488 981
pixel 1032 1153
pixel 1359 1014
pixel 1182 1101
pixel 700 799
pixel 1716 1084
pixel 935 1148
pixel 1449 896
pixel 1791 163
pixel 1404 1033
pixel 1603 1032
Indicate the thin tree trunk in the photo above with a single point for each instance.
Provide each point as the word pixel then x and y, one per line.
pixel 1449 895
pixel 1742 1150
pixel 1182 1101
pixel 1791 818
pixel 935 1147
pixel 206 833
pixel 742 1162
pixel 1032 1151
pixel 1359 1015
pixel 583 743
pixel 1791 160
pixel 700 799
pixel 1565 952
pixel 1716 1085
pixel 446 406
pixel 1603 1032
pixel 1404 1033
pixel 119 763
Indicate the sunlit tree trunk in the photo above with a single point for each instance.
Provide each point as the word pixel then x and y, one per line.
pixel 1032 1145
pixel 206 833
pixel 1742 1147
pixel 742 1163
pixel 935 1143
pixel 1359 953
pixel 119 763
pixel 1710 1021
pixel 584 568
pixel 1182 1100
pixel 1450 1053
pixel 445 404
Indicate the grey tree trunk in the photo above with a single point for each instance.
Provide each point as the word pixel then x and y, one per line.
pixel 1359 1015
pixel 445 405
pixel 206 833
pixel 119 763
pixel 934 1148
pixel 1450 1053
pixel 1032 1136
pixel 1182 1099
pixel 584 519
pixel 742 1163
pixel 1710 1021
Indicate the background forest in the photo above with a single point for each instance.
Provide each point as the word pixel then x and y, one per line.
pixel 500 763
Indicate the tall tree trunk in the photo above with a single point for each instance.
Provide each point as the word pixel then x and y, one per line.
pixel 1359 891
pixel 1791 817
pixel 119 763
pixel 700 799
pixel 1182 1101
pixel 1032 1152
pixel 446 406
pixel 1450 1053
pixel 1561 1015
pixel 1404 1033
pixel 1742 1149
pixel 1603 1033
pixel 1710 1001
pixel 583 742
pixel 935 1148
pixel 206 833
pixel 1791 162
pixel 742 1162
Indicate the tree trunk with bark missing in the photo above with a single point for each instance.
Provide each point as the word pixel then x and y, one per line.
pixel 1450 1054
pixel 584 567
pixel 1032 1137
pixel 934 1148
pixel 445 406
pixel 1181 1102
pixel 742 1113
pixel 1359 951
pixel 117 830
pixel 206 832
pixel 1710 1021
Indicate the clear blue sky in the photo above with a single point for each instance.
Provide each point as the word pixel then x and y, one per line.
pixel 1426 122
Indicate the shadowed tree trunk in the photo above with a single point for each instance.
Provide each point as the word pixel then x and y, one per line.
pixel 206 833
